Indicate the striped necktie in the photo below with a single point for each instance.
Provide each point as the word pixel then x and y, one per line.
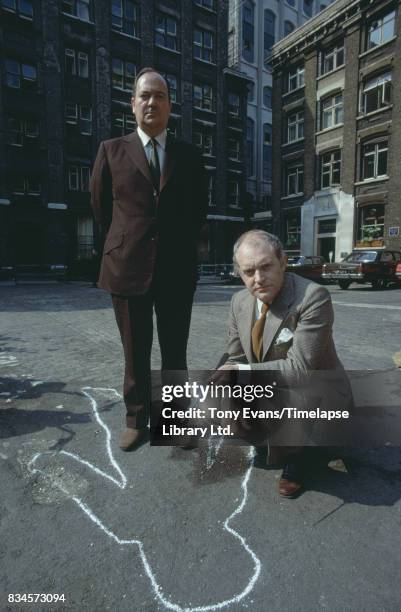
pixel 257 333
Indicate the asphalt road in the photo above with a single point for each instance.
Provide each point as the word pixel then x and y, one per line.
pixel 163 528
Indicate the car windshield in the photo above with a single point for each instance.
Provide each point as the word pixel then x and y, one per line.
pixel 366 256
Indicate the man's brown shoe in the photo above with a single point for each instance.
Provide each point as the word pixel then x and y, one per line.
pixel 130 438
pixel 290 482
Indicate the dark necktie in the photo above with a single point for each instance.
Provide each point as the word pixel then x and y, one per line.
pixel 154 165
pixel 257 333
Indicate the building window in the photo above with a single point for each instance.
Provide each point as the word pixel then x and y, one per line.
pixel 381 30
pixel 288 27
pixel 25 184
pixel 332 111
pixel 374 159
pixel 122 123
pixel 204 140
pixel 85 243
pixel 21 131
pixel 78 178
pixel 79 8
pixel 295 126
pixel 376 93
pixel 233 194
pixel 203 97
pixel 267 96
pixel 77 63
pixel 251 91
pixel 124 17
pixel 122 74
pixel 250 143
pixel 234 147
pixel 269 31
pixel 330 169
pixel 209 4
pixel 172 86
pixel 308 7
pixel 20 75
pixel 23 8
pixel 210 189
pixel 248 31
pixel 166 32
pixel 294 179
pixel 233 104
pixel 296 78
pixel 292 230
pixel 291 2
pixel 203 45
pixel 267 151
pixel 371 222
pixel 331 59
pixel 79 116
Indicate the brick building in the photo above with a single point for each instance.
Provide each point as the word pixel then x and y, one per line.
pixel 254 27
pixel 67 72
pixel 337 130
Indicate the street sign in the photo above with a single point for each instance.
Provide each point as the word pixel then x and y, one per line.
pixel 393 232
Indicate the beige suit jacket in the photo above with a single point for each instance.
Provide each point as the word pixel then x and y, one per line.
pixel 308 354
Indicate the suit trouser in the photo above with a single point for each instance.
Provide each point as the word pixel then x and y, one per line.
pixel 134 316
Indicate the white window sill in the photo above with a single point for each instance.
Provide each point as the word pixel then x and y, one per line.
pixel 205 110
pixel 368 181
pixel 377 47
pixel 292 196
pixel 76 18
pixel 174 51
pixel 324 191
pixel 288 93
pixel 326 74
pixel 130 36
pixel 375 112
pixel 329 129
pixel 202 61
pixel 297 141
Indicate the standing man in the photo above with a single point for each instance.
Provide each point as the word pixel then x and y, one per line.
pixel 149 197
pixel 283 323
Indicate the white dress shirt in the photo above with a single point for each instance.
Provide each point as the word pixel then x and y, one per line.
pixel 161 146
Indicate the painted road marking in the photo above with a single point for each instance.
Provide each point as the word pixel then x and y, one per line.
pixel 361 305
pixel 121 481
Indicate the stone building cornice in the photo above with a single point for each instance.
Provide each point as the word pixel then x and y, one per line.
pixel 340 14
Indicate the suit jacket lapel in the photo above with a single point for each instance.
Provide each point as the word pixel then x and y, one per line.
pixel 277 313
pixel 134 149
pixel 169 161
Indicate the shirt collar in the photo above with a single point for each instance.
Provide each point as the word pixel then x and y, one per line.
pixel 160 138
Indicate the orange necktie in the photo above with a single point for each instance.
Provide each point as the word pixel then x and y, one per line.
pixel 257 333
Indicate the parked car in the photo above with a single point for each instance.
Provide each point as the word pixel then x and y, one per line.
pixel 307 266
pixel 228 275
pixel 377 267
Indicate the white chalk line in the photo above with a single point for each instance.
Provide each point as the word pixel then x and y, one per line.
pixel 122 483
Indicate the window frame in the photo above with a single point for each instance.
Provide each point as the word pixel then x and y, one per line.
pixel 203 97
pixel 380 88
pixel 168 37
pixel 329 168
pixel 336 107
pixel 381 23
pixel 298 121
pixel 127 26
pixel 126 80
pixel 332 53
pixel 295 169
pixel 206 53
pixel 380 146
pixel 296 75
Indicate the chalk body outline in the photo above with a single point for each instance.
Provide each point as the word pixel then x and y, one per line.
pixel 121 482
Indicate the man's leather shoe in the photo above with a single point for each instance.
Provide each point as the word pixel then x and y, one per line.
pixel 130 438
pixel 290 482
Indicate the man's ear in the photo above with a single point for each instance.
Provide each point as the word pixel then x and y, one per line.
pixel 284 260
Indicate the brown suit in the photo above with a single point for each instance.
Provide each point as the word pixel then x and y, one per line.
pixel 150 253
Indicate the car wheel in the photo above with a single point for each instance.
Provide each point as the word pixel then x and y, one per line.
pixel 379 283
pixel 344 284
